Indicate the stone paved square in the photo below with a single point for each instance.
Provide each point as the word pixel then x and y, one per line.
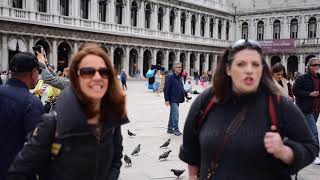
pixel 149 117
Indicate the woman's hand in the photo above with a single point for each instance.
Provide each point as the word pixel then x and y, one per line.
pixel 274 145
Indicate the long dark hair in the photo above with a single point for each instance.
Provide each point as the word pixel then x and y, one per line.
pixel 278 67
pixel 113 102
pixel 222 83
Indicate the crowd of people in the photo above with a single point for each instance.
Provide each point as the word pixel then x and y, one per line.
pixel 252 123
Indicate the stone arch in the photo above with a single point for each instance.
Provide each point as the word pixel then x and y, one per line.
pixel 64 54
pixel 292 65
pixel 308 58
pixel 183 60
pixel 192 63
pixel 133 62
pixel 146 61
pixel 15 45
pixel 171 60
pixel 274 60
pixel 160 58
pixel 46 46
pixel 118 59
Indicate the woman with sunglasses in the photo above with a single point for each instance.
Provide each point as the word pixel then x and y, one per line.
pixel 240 136
pixel 82 139
pixel 279 77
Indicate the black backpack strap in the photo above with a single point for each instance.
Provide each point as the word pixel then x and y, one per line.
pixel 201 116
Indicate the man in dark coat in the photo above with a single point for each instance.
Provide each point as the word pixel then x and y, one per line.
pixel 306 90
pixel 20 111
pixel 173 95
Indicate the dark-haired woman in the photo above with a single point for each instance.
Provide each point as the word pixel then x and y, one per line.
pixel 279 77
pixel 82 140
pixel 237 140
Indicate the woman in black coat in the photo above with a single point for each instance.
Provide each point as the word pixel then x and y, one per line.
pixel 82 139
pixel 243 137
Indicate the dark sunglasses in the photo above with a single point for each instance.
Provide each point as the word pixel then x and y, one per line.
pixel 315 65
pixel 89 72
pixel 242 42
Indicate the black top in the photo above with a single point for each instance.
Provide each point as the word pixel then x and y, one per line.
pixel 245 156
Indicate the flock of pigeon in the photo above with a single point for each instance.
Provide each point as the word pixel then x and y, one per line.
pixel 162 157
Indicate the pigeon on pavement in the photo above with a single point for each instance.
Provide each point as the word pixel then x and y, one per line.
pixel 136 150
pixel 127 159
pixel 165 144
pixel 177 172
pixel 164 155
pixel 131 133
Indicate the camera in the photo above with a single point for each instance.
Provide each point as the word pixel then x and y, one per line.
pixel 37 48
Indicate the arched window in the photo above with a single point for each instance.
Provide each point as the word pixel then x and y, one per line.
pixel 102 11
pixel 219 29
pixel 312 28
pixel 193 25
pixel 211 27
pixel 172 19
pixel 64 7
pixel 260 30
pixel 147 16
pixel 119 7
pixel 294 29
pixel 202 25
pixel 42 5
pixel 134 13
pixel 183 23
pixel 84 9
pixel 276 29
pixel 244 30
pixel 17 4
pixel 227 30
pixel 160 18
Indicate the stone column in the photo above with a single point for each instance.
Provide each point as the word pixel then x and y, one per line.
pixel 111 11
pixel 126 60
pixel 301 67
pixel 94 10
pixel 140 61
pixel 284 62
pixel 166 19
pixel 188 63
pixel 206 62
pixel 177 56
pixel 188 23
pixel 215 29
pixel 154 57
pixel 215 64
pixel 197 64
pixel 54 53
pixel 198 22
pixel 268 34
pixel 76 12
pixel 31 42
pixel 5 53
pixel 141 19
pixel 31 5
pixel 268 60
pixel 127 17
pixel 166 59
pixel 285 31
pixel 177 25
pixel 206 27
pixel 111 55
pixel 154 17
pixel 75 47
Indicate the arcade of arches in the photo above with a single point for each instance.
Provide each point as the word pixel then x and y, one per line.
pixel 135 60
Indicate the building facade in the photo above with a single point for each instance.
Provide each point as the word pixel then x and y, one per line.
pixel 135 33
pixel 293 26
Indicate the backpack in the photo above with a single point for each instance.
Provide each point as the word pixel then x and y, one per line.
pixel 273 114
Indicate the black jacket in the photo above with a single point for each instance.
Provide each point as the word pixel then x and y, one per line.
pixel 173 89
pixel 81 156
pixel 301 90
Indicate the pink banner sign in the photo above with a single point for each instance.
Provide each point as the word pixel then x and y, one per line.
pixel 278 46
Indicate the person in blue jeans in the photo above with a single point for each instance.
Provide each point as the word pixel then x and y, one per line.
pixel 306 90
pixel 174 95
